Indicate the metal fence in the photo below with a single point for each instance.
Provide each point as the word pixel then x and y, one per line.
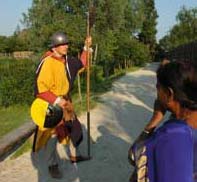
pixel 187 52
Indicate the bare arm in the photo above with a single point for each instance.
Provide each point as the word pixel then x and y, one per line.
pixel 158 114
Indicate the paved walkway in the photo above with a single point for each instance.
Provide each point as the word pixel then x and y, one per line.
pixel 115 123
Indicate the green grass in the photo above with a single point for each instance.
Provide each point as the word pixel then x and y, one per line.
pixel 133 68
pixel 22 149
pixel 12 117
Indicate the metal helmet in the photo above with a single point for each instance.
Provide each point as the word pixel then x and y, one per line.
pixel 58 38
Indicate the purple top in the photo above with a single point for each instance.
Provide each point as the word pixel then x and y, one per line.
pixel 169 155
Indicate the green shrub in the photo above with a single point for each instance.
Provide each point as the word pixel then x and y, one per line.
pixel 140 53
pixel 16 82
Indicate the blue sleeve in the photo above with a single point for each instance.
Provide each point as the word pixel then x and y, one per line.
pixel 173 157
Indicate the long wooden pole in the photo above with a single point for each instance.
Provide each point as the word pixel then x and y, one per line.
pixel 88 85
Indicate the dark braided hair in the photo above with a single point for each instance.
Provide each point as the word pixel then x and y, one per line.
pixel 181 77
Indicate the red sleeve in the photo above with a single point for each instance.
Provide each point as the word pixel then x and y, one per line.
pixel 84 58
pixel 47 96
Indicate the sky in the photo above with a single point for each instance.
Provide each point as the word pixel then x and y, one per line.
pixel 167 11
pixel 11 14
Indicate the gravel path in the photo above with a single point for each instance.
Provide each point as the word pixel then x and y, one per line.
pixel 115 123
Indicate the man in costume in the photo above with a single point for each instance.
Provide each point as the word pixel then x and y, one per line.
pixel 55 76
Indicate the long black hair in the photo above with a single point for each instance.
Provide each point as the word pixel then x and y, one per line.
pixel 181 77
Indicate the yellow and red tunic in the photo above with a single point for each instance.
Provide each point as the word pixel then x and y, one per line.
pixel 52 82
pixel 52 78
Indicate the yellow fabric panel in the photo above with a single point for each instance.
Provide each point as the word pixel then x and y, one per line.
pixel 42 138
pixel 52 77
pixel 65 141
pixel 38 112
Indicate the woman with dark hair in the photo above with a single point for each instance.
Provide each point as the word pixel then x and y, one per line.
pixel 170 153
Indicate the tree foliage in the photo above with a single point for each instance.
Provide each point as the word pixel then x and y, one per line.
pixel 117 23
pixel 16 81
pixel 183 32
pixel 148 31
pixel 122 30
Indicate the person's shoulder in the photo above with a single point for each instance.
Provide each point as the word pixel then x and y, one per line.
pixel 74 62
pixel 48 58
pixel 173 126
pixel 48 61
pixel 72 58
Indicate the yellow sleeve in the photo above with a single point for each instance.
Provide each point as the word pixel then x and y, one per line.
pixel 45 77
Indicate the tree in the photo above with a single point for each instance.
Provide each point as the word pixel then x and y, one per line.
pixel 148 31
pixel 109 20
pixel 114 19
pixel 46 17
pixel 184 31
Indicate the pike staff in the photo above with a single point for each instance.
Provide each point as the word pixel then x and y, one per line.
pixel 90 21
pixel 88 88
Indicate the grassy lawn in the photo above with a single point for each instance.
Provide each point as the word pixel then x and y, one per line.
pixel 12 117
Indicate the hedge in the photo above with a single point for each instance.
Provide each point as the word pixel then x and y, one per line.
pixel 16 81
